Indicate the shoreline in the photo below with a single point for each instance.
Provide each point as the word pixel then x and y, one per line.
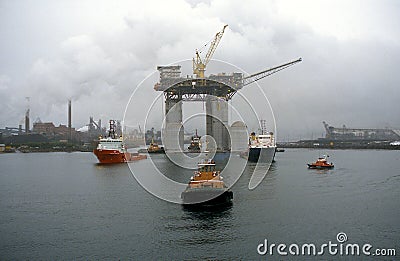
pixel 280 147
pixel 338 146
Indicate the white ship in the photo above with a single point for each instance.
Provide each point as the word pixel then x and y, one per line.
pixel 262 148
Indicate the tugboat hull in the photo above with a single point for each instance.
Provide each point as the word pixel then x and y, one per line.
pixel 206 197
pixel 160 151
pixel 312 166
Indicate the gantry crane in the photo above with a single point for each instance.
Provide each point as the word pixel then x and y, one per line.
pixel 199 65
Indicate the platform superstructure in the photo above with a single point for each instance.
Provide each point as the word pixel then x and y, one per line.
pixel 215 90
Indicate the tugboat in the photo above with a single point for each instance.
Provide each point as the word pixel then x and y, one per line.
pixel 112 150
pixel 154 148
pixel 195 144
pixel 321 163
pixel 206 187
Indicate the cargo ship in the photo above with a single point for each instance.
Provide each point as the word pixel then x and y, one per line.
pixel 206 187
pixel 112 150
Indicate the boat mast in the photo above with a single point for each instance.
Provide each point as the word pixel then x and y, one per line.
pixel 263 127
pixel 111 132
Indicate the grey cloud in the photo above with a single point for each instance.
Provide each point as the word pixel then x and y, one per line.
pixel 341 81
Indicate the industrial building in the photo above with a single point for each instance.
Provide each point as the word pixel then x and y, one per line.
pixel 353 134
pixel 49 130
pixel 41 131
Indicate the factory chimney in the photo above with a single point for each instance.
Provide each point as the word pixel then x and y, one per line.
pixel 27 116
pixel 69 120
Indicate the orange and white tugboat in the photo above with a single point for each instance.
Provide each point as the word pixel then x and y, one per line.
pixel 321 163
pixel 154 148
pixel 112 150
pixel 206 187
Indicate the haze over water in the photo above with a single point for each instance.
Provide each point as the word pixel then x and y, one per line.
pixel 65 206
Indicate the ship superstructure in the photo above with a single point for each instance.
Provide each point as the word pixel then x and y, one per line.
pixel 112 150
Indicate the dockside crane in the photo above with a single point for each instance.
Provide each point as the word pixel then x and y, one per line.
pixel 327 129
pixel 199 65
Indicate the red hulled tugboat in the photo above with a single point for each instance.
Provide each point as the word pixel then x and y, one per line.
pixel 321 163
pixel 112 150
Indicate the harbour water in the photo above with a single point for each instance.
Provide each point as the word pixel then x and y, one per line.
pixel 65 206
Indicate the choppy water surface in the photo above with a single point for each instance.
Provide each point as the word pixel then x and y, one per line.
pixel 64 206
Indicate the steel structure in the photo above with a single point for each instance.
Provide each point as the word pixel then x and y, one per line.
pixel 349 134
pixel 199 66
pixel 258 76
pixel 214 90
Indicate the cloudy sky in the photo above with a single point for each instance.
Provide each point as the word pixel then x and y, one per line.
pixel 97 52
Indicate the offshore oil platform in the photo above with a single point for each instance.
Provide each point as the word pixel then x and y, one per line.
pixel 214 90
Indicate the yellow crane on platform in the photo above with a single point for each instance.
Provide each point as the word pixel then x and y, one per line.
pixel 199 65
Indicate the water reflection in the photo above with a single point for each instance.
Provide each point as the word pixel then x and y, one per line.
pixel 273 168
pixel 208 212
pixel 321 171
pixel 111 169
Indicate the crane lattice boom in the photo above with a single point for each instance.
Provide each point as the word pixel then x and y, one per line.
pixel 198 65
pixel 257 76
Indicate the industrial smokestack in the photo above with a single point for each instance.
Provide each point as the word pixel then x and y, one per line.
pixel 27 121
pixel 27 116
pixel 69 120
pixel 69 114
